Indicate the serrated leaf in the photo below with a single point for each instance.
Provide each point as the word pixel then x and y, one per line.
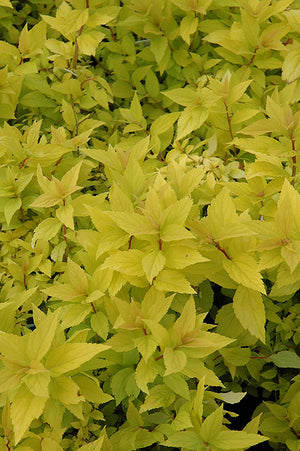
pixel 25 407
pixel 10 208
pixel 172 280
pixel 235 440
pixel 185 439
pixel 159 396
pixel 232 397
pixel 175 360
pixel 65 215
pixel 243 269
pixel 250 311
pixel 46 230
pixel 146 346
pixel 286 359
pixel 99 323
pixel 153 263
pixel 178 384
pixel 146 373
pixel 70 356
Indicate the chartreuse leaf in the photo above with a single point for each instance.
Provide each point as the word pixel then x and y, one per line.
pixel 186 322
pixel 46 230
pixel 159 396
pixel 145 373
pixel 236 440
pixel 212 425
pixel 146 346
pixel 172 280
pixel 5 3
pixel 25 407
pixel 153 263
pixel 232 397
pixel 96 444
pixel 197 406
pixel 155 304
pixel 65 390
pixel 174 359
pixel 89 388
pixel 99 323
pixel 185 439
pixel 250 311
pixel 10 208
pixel 243 269
pixel 40 340
pixel 68 357
pixel 178 384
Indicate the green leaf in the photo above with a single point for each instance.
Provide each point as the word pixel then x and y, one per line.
pixel 236 356
pixel 286 359
pixel 133 416
pixel 118 384
pixel 250 311
pixel 10 207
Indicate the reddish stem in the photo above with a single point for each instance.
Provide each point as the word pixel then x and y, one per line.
pixel 160 244
pixel 222 250
pixel 159 357
pixel 112 34
pixel 129 242
pixel 93 307
pixel 23 163
pixel 262 357
pixel 253 56
pixel 22 214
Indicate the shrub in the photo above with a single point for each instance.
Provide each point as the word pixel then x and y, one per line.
pixel 150 228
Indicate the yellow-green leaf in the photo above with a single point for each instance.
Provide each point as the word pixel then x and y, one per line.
pixel 25 407
pixel 175 360
pixel 153 263
pixel 249 309
pixel 70 356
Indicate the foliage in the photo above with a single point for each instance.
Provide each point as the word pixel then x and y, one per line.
pixel 150 228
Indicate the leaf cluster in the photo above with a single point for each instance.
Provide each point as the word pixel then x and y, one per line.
pixel 150 228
